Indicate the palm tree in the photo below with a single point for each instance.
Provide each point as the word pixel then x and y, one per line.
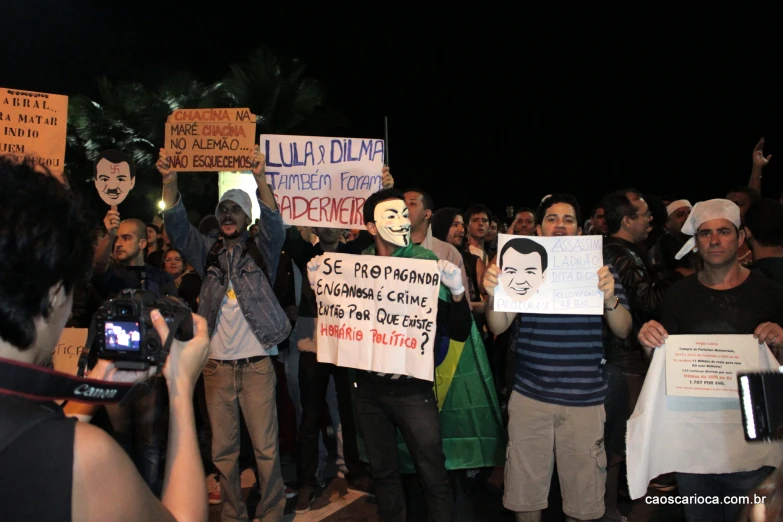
pixel 131 117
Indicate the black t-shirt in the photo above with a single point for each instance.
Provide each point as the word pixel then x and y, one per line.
pixel 689 307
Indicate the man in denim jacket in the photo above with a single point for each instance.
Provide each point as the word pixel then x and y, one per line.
pixel 245 324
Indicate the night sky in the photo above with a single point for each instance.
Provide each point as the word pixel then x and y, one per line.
pixel 481 109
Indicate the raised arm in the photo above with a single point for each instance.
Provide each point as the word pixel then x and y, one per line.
pixel 102 256
pixel 759 162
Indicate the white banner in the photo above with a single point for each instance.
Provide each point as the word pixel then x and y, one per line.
pixel 707 365
pixel 322 182
pixel 549 275
pixel 377 313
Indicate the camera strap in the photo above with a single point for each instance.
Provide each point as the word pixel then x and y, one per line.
pixel 42 384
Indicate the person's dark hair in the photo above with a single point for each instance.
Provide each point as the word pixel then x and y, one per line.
pixel 426 199
pixel 596 210
pixel 752 193
pixel 494 219
pixel 658 212
pixel 208 224
pixel 764 219
pixel 114 156
pixel 154 227
pixel 554 199
pixel 618 205
pixel 378 197
pixel 525 245
pixel 185 263
pixel 442 220
pixel 476 209
pixel 44 240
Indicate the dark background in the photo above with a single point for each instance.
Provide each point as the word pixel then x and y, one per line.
pixel 498 108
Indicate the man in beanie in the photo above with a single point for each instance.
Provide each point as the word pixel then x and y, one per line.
pixel 245 323
pixel 706 447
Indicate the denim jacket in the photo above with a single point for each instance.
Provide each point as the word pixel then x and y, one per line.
pixel 254 292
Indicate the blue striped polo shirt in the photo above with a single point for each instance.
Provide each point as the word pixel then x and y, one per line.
pixel 559 356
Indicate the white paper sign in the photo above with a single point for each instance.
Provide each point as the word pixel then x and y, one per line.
pixel 377 313
pixel 65 356
pixel 549 275
pixel 707 365
pixel 322 182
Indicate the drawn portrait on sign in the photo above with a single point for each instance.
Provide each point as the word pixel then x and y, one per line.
pixel 115 176
pixel 523 264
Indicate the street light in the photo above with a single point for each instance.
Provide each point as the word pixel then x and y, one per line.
pixel 162 205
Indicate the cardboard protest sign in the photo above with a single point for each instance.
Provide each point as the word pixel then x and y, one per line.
pixel 115 176
pixel 377 313
pixel 322 182
pixel 707 365
pixel 208 140
pixel 549 275
pixel 33 128
pixel 65 356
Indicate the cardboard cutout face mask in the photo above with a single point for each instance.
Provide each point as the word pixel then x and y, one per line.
pixel 391 220
pixel 114 176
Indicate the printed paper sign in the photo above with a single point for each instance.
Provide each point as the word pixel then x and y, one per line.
pixel 377 313
pixel 322 182
pixel 707 365
pixel 65 356
pixel 33 128
pixel 549 275
pixel 207 140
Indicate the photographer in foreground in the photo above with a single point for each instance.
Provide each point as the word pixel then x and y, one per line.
pixel 65 470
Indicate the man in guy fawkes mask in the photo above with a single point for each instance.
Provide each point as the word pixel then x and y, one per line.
pixel 387 402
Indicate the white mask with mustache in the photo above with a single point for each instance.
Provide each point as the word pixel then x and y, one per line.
pixel 391 220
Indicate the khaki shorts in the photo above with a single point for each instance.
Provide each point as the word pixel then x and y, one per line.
pixel 538 433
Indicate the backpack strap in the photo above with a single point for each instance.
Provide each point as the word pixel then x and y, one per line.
pixel 18 416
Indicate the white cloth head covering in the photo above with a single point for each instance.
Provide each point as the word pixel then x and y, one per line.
pixel 707 211
pixel 239 197
pixel 674 205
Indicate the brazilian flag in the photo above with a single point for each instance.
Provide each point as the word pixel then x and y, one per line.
pixel 470 421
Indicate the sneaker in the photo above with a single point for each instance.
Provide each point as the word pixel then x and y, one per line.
pixel 363 484
pixel 304 500
pixel 214 496
pixel 338 488
pixel 290 492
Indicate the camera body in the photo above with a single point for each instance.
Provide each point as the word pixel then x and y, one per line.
pixel 124 332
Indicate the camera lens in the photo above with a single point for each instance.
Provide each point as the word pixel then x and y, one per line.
pixel 153 345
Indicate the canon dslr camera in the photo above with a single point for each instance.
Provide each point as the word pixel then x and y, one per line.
pixel 124 332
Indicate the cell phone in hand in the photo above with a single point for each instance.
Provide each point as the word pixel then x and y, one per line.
pixel 761 403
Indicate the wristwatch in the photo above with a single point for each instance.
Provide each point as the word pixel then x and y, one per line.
pixel 616 304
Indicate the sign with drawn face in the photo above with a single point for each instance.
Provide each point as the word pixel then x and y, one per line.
pixel 115 176
pixel 549 275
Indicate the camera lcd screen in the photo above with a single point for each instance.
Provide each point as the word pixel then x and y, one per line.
pixel 122 336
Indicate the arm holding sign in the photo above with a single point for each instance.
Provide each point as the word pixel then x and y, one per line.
pixel 617 317
pixel 387 181
pixel 104 248
pixel 498 321
pixel 271 234
pixel 183 235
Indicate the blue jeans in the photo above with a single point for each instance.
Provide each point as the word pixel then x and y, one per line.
pixel 380 413
pixel 719 485
pixel 140 429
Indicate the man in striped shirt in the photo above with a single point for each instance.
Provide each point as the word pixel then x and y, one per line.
pixel 556 408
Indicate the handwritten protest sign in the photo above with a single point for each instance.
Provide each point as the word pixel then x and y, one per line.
pixel 377 313
pixel 65 356
pixel 322 182
pixel 206 140
pixel 549 275
pixel 33 127
pixel 707 365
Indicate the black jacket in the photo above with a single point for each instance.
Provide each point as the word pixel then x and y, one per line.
pixel 645 296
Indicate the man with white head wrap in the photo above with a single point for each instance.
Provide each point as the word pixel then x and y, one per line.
pixel 677 212
pixel 722 298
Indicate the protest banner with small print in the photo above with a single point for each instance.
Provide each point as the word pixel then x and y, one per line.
pixel 65 356
pixel 33 127
pixel 209 140
pixel 377 313
pixel 549 275
pixel 322 182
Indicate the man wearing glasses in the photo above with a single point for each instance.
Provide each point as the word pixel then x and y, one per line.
pixel 628 220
